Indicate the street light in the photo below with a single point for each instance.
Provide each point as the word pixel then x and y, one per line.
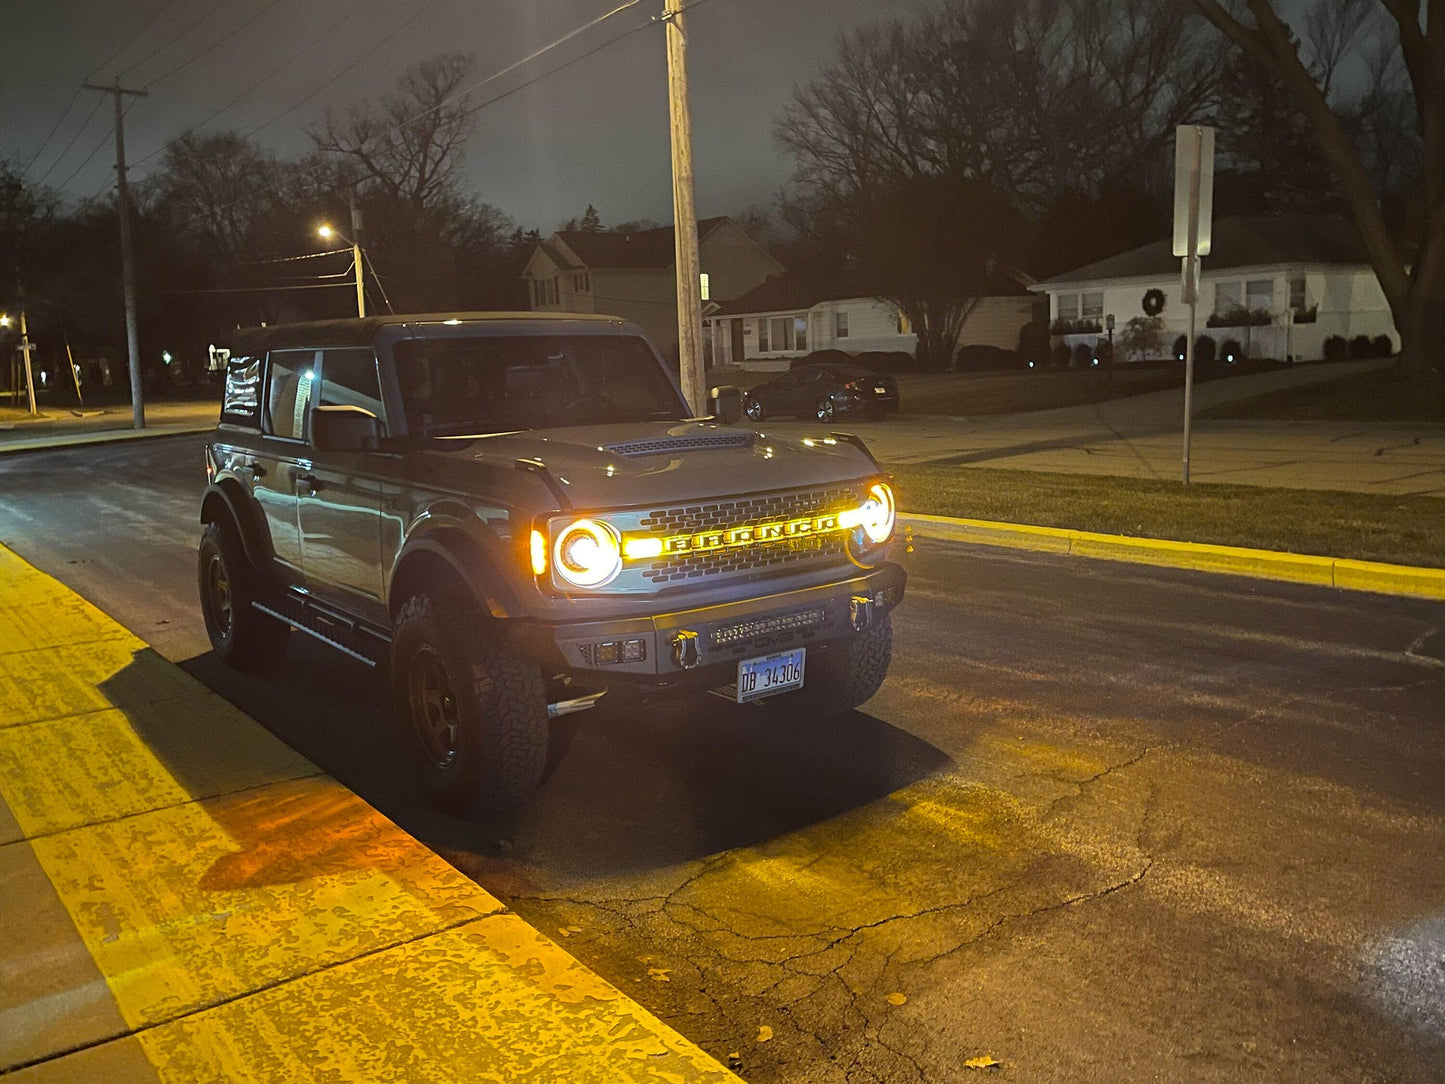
pixel 327 232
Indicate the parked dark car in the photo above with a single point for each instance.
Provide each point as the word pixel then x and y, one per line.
pixel 824 391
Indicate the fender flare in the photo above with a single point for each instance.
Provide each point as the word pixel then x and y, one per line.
pixel 466 559
pixel 226 499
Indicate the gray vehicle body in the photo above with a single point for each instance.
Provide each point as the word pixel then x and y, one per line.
pixel 344 537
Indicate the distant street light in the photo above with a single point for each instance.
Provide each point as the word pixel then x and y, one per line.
pixel 327 231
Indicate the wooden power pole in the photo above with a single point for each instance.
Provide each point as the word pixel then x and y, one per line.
pixel 684 215
pixel 127 257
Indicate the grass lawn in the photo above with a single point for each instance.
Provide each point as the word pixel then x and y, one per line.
pixel 1399 530
pixel 1381 396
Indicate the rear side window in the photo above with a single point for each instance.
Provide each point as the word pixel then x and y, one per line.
pixel 348 378
pixel 289 378
pixel 241 400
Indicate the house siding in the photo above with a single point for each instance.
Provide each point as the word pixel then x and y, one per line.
pixel 1348 298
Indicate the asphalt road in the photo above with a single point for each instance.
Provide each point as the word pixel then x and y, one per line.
pixel 1102 823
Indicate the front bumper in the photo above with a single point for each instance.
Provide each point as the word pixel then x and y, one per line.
pixel 717 636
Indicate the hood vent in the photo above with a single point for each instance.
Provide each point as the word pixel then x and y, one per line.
pixel 668 445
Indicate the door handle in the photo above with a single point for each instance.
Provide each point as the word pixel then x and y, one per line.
pixel 305 482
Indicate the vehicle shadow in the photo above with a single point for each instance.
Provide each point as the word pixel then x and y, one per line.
pixel 629 789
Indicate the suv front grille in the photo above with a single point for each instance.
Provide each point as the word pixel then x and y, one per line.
pixel 744 512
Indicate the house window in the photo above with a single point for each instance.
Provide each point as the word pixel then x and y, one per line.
pixel 1227 297
pixel 581 282
pixel 905 325
pixel 552 290
pixel 1068 307
pixel 800 332
pixel 840 325
pixel 1091 306
pixel 1259 295
pixel 782 333
pixel 763 346
pixel 1297 294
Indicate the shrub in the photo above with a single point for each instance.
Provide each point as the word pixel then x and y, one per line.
pixel 1336 349
pixel 1239 317
pixel 1204 350
pixel 1102 352
pixel 1231 351
pixel 1142 338
pixel 1381 346
pixel 1034 336
pixel 1360 347
pixel 1180 345
pixel 976 358
pixel 1083 354
pixel 1059 356
pixel 819 357
pixel 887 361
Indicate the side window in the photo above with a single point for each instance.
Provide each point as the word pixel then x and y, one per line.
pixel 288 392
pixel 348 378
pixel 241 402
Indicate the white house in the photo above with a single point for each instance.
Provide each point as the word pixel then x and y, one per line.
pixel 631 275
pixel 797 313
pixel 1279 287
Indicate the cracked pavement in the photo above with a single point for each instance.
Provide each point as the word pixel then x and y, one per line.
pixel 1103 822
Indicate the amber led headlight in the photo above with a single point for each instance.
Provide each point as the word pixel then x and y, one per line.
pixel 876 516
pixel 587 553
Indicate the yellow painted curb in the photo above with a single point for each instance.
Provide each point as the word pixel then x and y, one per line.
pixel 1340 572
pixel 247 917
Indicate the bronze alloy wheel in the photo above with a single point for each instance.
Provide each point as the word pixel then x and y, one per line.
pixel 218 593
pixel 434 712
pixel 825 409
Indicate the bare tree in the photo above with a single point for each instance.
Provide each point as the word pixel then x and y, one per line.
pixel 1413 278
pixel 222 188
pixel 412 144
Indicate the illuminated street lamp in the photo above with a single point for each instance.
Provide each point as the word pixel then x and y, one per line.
pixel 328 231
pixel 25 348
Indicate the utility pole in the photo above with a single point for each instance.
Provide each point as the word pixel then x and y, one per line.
pixel 684 215
pixel 26 346
pixel 356 255
pixel 127 259
pixel 1193 211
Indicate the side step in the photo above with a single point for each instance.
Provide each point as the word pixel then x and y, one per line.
pixel 347 635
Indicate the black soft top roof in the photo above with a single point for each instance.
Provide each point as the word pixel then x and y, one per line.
pixel 363 331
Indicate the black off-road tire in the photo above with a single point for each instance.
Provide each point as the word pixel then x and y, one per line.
pixel 448 676
pixel 243 637
pixel 849 676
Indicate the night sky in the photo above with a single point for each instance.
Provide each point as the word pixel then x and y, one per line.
pixel 595 132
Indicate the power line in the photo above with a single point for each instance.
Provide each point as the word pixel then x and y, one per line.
pixel 215 45
pixel 346 70
pixel 162 48
pixel 94 150
pixel 268 77
pixel 51 134
pixel 131 40
pixel 83 126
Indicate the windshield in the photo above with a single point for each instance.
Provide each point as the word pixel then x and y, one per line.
pixel 503 383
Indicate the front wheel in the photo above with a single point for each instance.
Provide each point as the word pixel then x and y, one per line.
pixel 754 410
pixel 825 409
pixel 243 637
pixel 475 715
pixel 850 674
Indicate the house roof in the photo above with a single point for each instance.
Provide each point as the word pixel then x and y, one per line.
pixel 794 291
pixel 1245 241
pixel 645 250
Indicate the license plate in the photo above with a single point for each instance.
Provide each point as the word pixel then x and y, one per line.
pixel 770 674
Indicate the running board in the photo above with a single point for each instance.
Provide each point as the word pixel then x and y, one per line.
pixel 334 631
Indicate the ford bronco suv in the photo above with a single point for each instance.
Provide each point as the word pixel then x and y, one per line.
pixel 516 514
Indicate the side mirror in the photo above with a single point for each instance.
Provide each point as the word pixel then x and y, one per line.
pixel 726 404
pixel 344 429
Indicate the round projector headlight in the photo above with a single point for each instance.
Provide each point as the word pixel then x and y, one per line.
pixel 878 514
pixel 587 553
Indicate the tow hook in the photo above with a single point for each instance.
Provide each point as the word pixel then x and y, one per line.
pixel 860 612
pixel 686 653
pixel 569 707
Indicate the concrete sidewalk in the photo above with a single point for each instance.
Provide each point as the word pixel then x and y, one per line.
pixel 66 426
pixel 184 898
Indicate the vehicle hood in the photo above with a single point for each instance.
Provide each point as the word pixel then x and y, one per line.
pixel 616 466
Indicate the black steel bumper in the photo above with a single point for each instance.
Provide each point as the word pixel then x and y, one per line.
pixel 703 646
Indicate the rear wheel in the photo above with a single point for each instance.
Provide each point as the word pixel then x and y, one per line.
pixel 824 409
pixel 754 410
pixel 242 636
pixel 475 715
